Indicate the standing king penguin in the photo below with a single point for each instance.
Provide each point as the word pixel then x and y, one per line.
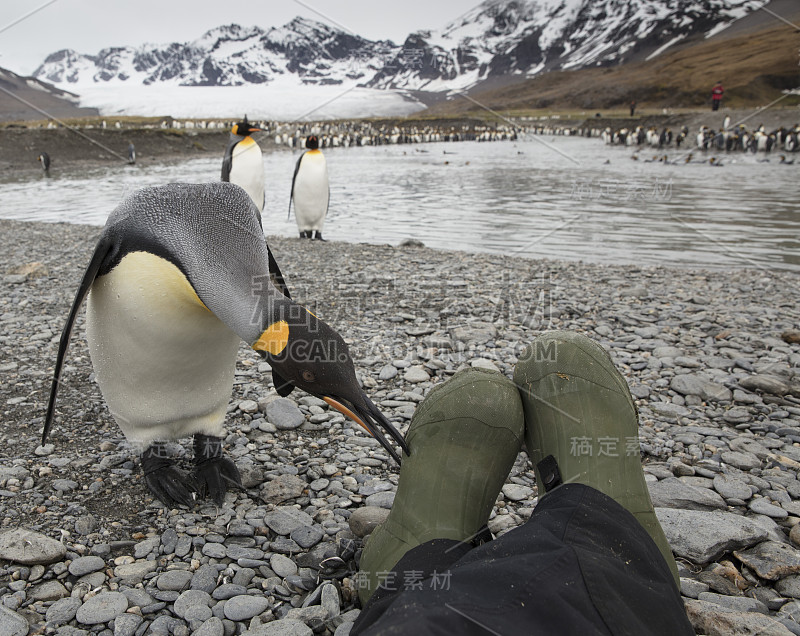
pixel 181 274
pixel 310 190
pixel 44 159
pixel 243 163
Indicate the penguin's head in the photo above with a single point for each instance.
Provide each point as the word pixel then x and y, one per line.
pixel 312 142
pixel 316 359
pixel 244 128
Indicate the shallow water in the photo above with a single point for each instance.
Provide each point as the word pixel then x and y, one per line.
pixel 556 197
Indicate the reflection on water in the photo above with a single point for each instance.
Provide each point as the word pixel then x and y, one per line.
pixel 503 197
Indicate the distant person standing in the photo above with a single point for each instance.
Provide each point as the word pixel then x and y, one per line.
pixel 633 107
pixel 716 96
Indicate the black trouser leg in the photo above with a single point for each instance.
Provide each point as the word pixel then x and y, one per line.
pixel 581 565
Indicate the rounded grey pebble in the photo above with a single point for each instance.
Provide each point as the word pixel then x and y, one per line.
pixel 102 608
pixel 163 626
pixel 169 539
pixel 365 519
pixel 416 374
pixel 189 598
pixel 212 627
pixel 63 610
pixel 731 487
pixel 344 629
pixel 205 579
pixel 25 546
pixel 85 565
pixel 228 590
pixel 245 607
pixel 11 623
pixel 85 525
pixel 282 566
pixel 127 624
pixel 168 596
pixel 143 548
pixel 284 414
pixel 381 499
pixel 214 550
pixel 330 600
pixel 182 546
pixel 763 507
pixel 284 627
pixel 248 406
pixel 176 580
pixel 200 613
pixel 306 536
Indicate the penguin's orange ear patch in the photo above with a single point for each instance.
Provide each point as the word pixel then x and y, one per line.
pixel 274 338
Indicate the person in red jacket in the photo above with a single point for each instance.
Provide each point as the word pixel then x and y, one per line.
pixel 716 96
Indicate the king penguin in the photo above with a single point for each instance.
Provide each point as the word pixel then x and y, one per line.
pixel 44 159
pixel 243 163
pixel 310 190
pixel 180 275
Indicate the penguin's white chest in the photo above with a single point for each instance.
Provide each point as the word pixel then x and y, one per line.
pixel 164 363
pixel 310 191
pixel 247 170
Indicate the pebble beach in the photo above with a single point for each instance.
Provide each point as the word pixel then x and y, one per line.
pixel 712 359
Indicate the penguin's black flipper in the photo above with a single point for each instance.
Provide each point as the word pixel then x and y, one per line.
pixel 227 162
pixel 276 276
pixel 294 177
pixel 101 251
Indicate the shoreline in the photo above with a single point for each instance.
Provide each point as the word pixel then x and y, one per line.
pixel 21 142
pixel 716 384
pixel 412 244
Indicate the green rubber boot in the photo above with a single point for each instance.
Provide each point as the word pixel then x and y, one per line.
pixel 578 408
pixel 464 438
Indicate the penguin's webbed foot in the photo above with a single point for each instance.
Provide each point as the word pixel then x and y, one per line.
pixel 213 472
pixel 170 485
pixel 213 477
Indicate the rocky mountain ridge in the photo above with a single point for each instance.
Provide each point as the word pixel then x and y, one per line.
pixel 497 39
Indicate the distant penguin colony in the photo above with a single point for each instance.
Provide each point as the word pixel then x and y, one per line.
pixel 170 290
pixel 728 138
pixel 44 159
pixel 366 133
pixel 310 191
pixel 243 163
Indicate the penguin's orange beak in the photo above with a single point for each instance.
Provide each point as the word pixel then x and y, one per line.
pixel 370 418
pixel 347 413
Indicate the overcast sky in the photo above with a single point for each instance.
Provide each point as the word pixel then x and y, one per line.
pixel 90 25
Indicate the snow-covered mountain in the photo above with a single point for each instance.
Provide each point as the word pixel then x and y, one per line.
pixel 28 98
pixel 528 37
pixel 495 39
pixel 232 55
